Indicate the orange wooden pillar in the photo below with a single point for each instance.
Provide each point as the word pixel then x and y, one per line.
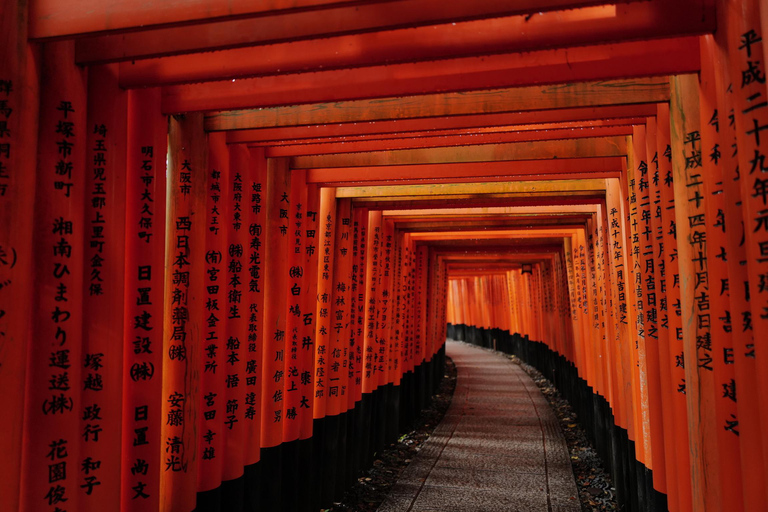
pixel 326 231
pixel 690 214
pixel 50 471
pixel 184 311
pixel 338 348
pixel 103 294
pixel 235 310
pixel 18 161
pixel 643 139
pixel 299 318
pixel 625 406
pixel 371 373
pixel 395 331
pixel 310 225
pixel 741 38
pixel 387 308
pixel 255 377
pixel 211 416
pixel 609 309
pixel 738 319
pixel 656 182
pixel 326 226
pixel 355 341
pixel 276 290
pixel 643 436
pixel 145 224
pixel 672 308
pixel 724 379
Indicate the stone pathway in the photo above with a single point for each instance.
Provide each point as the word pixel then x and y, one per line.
pixel 499 447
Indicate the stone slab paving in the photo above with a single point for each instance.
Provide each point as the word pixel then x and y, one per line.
pixel 499 447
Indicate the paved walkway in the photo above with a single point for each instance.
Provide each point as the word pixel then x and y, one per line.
pixel 499 447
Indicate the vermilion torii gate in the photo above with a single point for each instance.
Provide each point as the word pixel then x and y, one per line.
pixel 235 235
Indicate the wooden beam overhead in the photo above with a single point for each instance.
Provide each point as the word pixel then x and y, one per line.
pixel 53 18
pixel 396 52
pixel 525 130
pixel 465 172
pixel 451 141
pixel 449 191
pixel 538 150
pixel 628 20
pixel 440 124
pixel 678 56
pixel 520 99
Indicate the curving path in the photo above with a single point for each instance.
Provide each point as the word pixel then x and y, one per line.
pixel 499 447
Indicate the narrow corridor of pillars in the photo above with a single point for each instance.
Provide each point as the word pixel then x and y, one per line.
pixel 186 315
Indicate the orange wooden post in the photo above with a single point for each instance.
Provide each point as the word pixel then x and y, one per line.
pixel 18 138
pixel 355 342
pixel 637 349
pixel 667 392
pixel 690 216
pixel 276 291
pixel 621 272
pixel 51 462
pixel 746 62
pixel 386 301
pixel 672 308
pixel 145 224
pixel 596 318
pixel 338 349
pixel 212 404
pixel 609 309
pixel 311 251
pixel 256 180
pixel 751 438
pixel 326 227
pixel 573 317
pixel 395 336
pixel 724 381
pixel 235 311
pixel 184 312
pixel 103 293
pixel 294 310
pixel 646 278
pixel 297 308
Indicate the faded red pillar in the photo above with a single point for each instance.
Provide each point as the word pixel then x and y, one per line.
pixel 299 316
pixel 235 311
pixel 103 292
pixel 212 384
pixel 254 372
pixel 326 226
pixel 184 311
pixel 306 357
pixel 19 88
pixel 145 224
pixel 50 470
pixel 276 290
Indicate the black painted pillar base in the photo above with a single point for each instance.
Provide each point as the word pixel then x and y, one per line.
pixel 271 485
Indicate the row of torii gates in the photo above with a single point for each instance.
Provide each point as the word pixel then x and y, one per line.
pixel 233 234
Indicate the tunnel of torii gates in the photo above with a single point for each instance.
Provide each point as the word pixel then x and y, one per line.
pixel 235 236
